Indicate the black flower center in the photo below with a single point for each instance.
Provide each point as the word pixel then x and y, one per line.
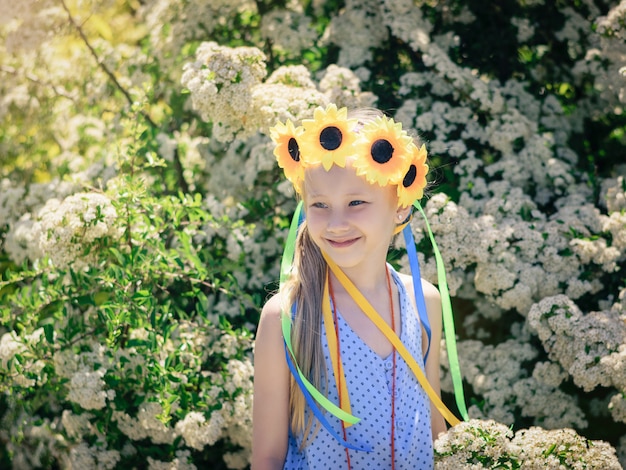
pixel 381 151
pixel 330 138
pixel 294 149
pixel 410 176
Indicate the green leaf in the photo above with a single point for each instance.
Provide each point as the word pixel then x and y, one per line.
pixel 48 330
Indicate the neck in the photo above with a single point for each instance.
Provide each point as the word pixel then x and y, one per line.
pixel 370 282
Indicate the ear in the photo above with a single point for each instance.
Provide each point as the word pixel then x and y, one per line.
pixel 402 213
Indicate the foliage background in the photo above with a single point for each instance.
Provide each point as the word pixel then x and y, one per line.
pixel 142 215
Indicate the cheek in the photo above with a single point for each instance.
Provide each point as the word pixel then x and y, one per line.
pixel 314 221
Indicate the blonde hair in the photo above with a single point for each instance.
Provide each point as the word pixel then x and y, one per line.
pixel 305 291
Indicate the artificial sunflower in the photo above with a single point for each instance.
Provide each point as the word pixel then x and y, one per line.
pixel 328 138
pixel 411 188
pixel 383 151
pixel 287 138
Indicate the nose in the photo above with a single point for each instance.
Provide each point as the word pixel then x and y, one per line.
pixel 337 222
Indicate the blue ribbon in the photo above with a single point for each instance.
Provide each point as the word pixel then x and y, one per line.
pixel 409 241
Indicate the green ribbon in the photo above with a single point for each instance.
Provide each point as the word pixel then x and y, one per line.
pixel 448 321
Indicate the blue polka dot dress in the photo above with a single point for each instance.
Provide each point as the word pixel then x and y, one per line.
pixel 369 379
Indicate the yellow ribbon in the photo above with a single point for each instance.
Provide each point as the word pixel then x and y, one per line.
pixel 333 349
pixel 371 313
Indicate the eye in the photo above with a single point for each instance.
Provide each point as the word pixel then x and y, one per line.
pixel 357 202
pixel 319 205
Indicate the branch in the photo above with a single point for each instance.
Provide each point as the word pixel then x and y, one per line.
pixel 101 64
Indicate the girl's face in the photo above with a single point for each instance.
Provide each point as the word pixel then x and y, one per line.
pixel 350 219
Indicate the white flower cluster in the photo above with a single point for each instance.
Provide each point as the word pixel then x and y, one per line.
pixel 65 229
pixel 146 425
pixel 227 345
pixel 458 448
pixel 562 448
pixel 221 81
pixel 87 389
pixel 591 347
pixel 227 89
pixel 239 431
pixel 224 186
pixel 289 31
pixel 616 195
pixel 406 22
pixel 85 371
pixel 190 339
pixel 67 362
pixel 605 62
pixel 508 389
pixel 18 212
pixel 477 444
pixel 357 30
pixel 38 439
pixel 255 258
pixel 95 457
pixel 240 374
pixel 525 30
pixel 247 244
pixel 288 93
pixel 76 425
pixel 22 242
pixel 183 461
pixel 197 432
pixel 233 421
pixel 11 197
pixel 10 345
pixel 187 20
pixel 29 23
pixel 517 261
pixel 30 368
pixel 190 152
pixel 342 87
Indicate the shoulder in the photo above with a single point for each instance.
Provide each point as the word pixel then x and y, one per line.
pixel 271 314
pixel 432 298
pixel 274 305
pixel 269 346
pixel 431 293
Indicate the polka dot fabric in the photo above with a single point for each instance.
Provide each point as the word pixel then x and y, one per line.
pixel 369 379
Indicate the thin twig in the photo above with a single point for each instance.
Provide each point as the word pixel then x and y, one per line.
pixel 101 64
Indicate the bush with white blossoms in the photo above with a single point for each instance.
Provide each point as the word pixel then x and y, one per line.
pixel 142 216
pixel 67 230
pixel 477 444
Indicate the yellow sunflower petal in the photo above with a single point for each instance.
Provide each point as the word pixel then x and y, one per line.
pixel 328 138
pixel 287 138
pixel 384 151
pixel 411 188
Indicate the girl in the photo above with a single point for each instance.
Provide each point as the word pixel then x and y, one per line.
pixel 339 357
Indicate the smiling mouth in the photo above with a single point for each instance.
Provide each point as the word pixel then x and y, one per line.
pixel 341 243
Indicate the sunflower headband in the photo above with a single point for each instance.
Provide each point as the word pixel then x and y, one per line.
pixel 380 150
